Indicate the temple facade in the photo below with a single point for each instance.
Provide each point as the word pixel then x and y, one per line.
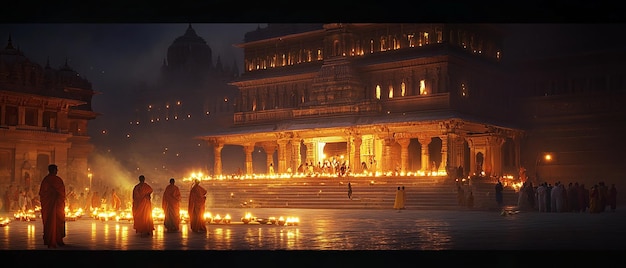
pixel 380 98
pixel 44 113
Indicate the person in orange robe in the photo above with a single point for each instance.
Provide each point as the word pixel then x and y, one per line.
pixel 197 198
pixel 142 208
pixel 116 202
pixel 171 207
pixel 52 197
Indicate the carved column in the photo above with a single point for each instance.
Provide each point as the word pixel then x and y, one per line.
pixel 387 164
pixel 282 156
pixel 495 155
pixel 424 141
pixel 404 153
pixel 217 152
pixel 248 149
pixel 444 153
pixel 296 159
pixel 310 152
pixel 356 165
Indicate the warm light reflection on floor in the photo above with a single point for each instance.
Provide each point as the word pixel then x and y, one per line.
pixel 31 234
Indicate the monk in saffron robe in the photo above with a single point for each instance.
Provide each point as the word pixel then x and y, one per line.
pixel 116 202
pixel 142 208
pixel 52 197
pixel 197 198
pixel 171 207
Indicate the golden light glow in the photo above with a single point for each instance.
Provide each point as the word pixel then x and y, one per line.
pixel 548 157
pixel 423 87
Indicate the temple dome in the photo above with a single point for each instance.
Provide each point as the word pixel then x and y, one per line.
pixel 189 53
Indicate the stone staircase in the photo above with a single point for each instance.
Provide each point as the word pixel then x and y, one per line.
pixel 326 193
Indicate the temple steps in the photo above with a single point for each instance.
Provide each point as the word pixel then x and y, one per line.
pixel 373 193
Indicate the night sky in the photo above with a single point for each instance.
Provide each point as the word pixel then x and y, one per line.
pixel 115 57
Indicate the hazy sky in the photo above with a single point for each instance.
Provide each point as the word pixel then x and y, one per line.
pixel 115 56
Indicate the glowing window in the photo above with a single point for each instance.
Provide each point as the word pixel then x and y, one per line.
pixel 383 44
pixel 378 92
pixel 403 89
pixel 391 92
pixel 411 38
pixel 423 87
pixel 439 34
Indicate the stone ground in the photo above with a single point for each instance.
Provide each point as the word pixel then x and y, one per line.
pixel 343 232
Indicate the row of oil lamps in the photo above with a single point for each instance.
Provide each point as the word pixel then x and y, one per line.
pixel 157 214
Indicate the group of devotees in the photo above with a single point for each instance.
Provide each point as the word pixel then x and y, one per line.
pixel 142 207
pixel 52 195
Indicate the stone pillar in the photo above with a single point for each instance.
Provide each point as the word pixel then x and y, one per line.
pixel 3 111
pixel 217 152
pixel 282 156
pixel 296 159
pixel 248 149
pixel 444 154
pixel 21 118
pixel 495 156
pixel 472 146
pixel 404 153
pixel 356 164
pixel 310 152
pixel 40 118
pixel 63 123
pixel 424 141
pixel 387 164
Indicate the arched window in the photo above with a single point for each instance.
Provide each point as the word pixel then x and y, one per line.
pixel 378 92
pixel 336 48
pixel 403 89
pixel 390 91
pixel 423 90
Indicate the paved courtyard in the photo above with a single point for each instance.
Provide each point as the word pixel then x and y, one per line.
pixel 341 230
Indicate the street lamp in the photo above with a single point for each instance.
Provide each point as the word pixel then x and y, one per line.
pixel 545 157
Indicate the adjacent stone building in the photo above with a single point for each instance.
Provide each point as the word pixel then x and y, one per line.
pixel 44 114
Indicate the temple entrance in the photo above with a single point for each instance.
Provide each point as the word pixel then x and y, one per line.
pixel 415 151
pixel 336 152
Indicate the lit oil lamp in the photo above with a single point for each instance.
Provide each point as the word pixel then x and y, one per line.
pixel 208 217
pixel 247 218
pixel 217 218
pixel 4 221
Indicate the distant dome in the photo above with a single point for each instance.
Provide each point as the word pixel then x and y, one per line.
pixel 189 52
pixel 10 54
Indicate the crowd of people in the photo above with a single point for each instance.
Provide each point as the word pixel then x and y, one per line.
pixel 574 197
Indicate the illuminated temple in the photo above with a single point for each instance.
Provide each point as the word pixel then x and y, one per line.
pixel 400 98
pixel 424 99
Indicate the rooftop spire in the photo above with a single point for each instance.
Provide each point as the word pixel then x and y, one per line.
pixel 10 43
